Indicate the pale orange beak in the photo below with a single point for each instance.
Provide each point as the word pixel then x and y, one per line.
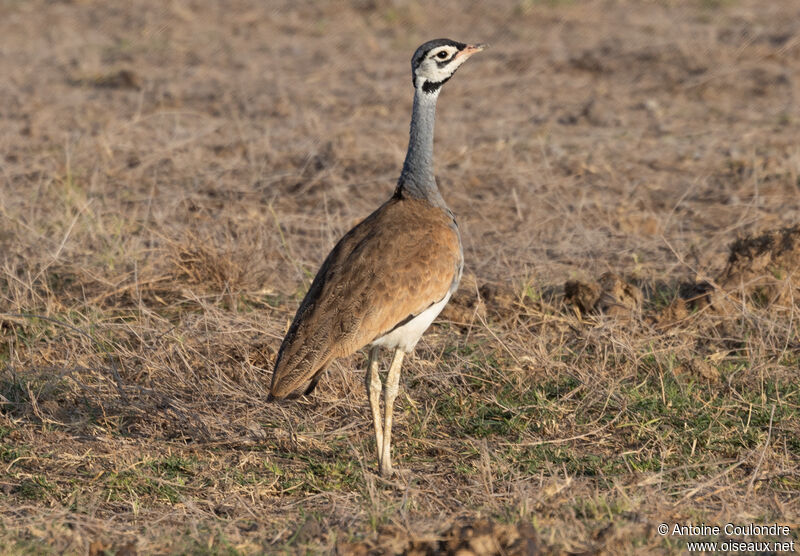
pixel 471 49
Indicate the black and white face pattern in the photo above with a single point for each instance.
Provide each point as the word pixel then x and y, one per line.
pixel 436 61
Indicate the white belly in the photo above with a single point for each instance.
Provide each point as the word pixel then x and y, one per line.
pixel 406 337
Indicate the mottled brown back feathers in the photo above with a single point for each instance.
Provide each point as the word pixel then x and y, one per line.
pixel 397 262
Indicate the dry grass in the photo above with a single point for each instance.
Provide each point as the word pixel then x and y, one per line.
pixel 173 174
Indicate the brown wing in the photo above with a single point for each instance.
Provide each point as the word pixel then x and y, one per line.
pixel 397 262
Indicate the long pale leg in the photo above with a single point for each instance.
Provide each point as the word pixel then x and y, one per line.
pixel 389 395
pixel 373 381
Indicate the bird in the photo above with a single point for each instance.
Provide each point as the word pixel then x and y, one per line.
pixel 388 278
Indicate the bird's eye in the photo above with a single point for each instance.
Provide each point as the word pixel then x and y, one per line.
pixel 442 55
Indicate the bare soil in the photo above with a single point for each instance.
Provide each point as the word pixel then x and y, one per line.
pixel 623 351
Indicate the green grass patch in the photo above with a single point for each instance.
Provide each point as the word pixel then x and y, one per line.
pixel 35 488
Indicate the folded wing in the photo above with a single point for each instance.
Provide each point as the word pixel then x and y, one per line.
pixel 396 263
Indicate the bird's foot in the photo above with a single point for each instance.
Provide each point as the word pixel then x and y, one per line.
pixel 389 472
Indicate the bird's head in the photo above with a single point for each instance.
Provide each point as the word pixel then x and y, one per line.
pixel 436 61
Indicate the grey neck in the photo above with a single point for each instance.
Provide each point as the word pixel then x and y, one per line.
pixel 417 179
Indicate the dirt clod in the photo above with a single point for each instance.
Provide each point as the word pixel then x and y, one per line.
pixel 619 297
pixel 610 295
pixel 466 536
pixel 583 295
pixel 500 299
pixel 672 314
pixel 484 537
pixel 696 295
pixel 763 270
pixel 765 267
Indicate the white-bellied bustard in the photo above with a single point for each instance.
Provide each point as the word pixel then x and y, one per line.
pixel 391 275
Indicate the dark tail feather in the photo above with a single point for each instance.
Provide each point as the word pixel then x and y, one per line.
pixel 296 393
pixel 313 384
